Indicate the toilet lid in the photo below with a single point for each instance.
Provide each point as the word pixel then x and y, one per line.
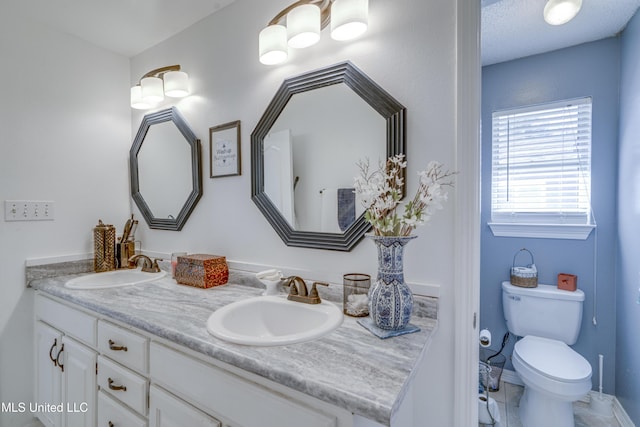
pixel 553 359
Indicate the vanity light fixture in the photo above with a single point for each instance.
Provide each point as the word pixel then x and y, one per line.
pixel 298 26
pixel 558 12
pixel 154 85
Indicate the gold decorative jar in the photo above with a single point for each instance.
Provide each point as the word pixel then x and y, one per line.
pixel 104 243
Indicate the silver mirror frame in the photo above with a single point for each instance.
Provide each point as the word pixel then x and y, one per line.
pixel 390 109
pixel 175 224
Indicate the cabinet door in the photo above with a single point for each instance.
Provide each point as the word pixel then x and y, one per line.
pixel 166 410
pixel 48 374
pixel 79 384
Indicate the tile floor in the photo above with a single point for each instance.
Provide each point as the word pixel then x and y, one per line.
pixel 508 397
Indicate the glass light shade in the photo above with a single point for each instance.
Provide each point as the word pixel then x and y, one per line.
pixel 176 84
pixel 303 26
pixel 152 91
pixel 349 18
pixel 272 45
pixel 136 99
pixel 558 12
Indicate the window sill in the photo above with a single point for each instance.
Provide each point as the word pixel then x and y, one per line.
pixel 542 231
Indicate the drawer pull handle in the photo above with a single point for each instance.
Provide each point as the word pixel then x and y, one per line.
pixel 111 424
pixel 114 347
pixel 60 365
pixel 54 345
pixel 116 387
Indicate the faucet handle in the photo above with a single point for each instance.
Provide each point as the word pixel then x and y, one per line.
pixel 290 282
pixel 297 286
pixel 154 265
pixel 313 293
pixel 133 261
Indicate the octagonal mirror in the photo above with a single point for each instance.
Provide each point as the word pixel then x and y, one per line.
pixel 165 170
pixel 305 152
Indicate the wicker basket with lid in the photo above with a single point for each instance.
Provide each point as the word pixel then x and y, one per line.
pixel 525 276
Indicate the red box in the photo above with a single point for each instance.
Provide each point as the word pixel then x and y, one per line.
pixel 567 282
pixel 202 270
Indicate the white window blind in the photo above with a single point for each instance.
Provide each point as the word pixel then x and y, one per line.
pixel 541 164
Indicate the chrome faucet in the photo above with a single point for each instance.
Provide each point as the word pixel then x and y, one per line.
pixel 298 290
pixel 148 266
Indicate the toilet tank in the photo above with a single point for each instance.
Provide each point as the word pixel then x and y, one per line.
pixel 544 311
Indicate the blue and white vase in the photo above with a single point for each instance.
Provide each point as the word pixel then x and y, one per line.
pixel 390 298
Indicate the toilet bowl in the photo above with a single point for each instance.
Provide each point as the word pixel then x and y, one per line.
pixel 554 376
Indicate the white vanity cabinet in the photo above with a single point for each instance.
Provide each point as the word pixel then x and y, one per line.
pixel 116 375
pixel 65 366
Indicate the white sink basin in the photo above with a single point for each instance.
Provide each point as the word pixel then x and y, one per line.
pixel 273 320
pixel 113 279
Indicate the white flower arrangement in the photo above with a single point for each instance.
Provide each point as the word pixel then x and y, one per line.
pixel 380 192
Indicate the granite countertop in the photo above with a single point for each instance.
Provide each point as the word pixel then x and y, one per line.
pixel 349 368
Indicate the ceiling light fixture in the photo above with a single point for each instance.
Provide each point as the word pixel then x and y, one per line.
pixel 558 12
pixel 299 25
pixel 156 84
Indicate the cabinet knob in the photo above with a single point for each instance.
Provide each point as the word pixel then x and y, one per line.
pixel 114 347
pixel 111 424
pixel 116 387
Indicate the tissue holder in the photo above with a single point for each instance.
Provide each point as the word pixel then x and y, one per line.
pixel 202 270
pixel 567 282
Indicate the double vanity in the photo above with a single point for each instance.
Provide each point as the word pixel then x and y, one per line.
pixel 129 348
pixel 155 352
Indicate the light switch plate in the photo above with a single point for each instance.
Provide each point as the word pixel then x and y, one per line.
pixel 29 210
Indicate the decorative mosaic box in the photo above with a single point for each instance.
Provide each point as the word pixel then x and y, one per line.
pixel 202 270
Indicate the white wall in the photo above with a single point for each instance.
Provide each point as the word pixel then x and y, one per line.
pixel 627 310
pixel 410 51
pixel 64 136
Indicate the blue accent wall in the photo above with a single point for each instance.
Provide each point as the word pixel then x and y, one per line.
pixel 628 309
pixel 591 69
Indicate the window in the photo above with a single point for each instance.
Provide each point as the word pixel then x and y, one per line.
pixel 541 170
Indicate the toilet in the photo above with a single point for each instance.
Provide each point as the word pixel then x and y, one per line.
pixel 554 375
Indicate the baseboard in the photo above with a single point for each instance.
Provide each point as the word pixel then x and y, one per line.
pixel 512 377
pixel 621 415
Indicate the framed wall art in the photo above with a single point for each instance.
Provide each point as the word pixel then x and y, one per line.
pixel 224 149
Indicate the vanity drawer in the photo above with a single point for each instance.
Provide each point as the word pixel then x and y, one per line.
pixel 123 384
pixel 73 322
pixel 124 346
pixel 113 413
pixel 167 410
pixel 228 395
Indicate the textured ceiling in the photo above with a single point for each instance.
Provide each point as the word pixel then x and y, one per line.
pixel 515 28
